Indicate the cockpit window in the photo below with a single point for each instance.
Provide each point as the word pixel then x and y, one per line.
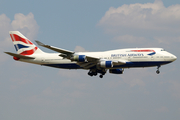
pixel 162 50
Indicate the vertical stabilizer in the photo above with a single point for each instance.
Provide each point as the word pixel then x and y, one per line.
pixel 23 45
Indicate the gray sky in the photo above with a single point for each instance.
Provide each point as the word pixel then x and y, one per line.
pixel 33 92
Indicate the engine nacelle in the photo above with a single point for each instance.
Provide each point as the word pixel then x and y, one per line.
pixel 116 71
pixel 79 58
pixel 106 64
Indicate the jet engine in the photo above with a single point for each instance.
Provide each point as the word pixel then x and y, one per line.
pixel 79 58
pixel 116 71
pixel 106 64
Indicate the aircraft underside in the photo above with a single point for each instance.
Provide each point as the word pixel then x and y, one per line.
pixel 127 65
pixel 93 71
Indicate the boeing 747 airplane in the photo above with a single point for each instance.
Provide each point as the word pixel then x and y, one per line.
pixel 96 62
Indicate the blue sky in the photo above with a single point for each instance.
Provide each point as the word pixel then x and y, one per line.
pixel 41 93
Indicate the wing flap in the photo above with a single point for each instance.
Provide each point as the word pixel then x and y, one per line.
pixel 87 65
pixel 19 56
pixel 119 62
pixel 92 59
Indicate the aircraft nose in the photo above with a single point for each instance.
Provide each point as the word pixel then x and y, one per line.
pixel 174 57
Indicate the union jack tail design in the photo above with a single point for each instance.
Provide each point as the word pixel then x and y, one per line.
pixel 23 45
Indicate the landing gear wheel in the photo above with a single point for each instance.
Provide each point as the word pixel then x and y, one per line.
pixel 101 76
pixel 90 74
pixel 157 71
pixel 95 73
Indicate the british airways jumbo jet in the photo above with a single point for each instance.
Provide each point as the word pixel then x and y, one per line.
pixel 96 62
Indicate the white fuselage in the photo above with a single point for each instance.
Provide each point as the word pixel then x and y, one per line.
pixel 134 57
pixel 96 62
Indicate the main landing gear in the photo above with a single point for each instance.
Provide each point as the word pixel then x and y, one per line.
pixel 158 70
pixel 91 73
pixel 101 76
pixel 95 72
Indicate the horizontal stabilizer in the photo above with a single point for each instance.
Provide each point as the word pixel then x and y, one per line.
pixel 19 56
pixel 55 48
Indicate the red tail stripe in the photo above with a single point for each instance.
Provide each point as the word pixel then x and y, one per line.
pixel 29 52
pixel 18 38
pixel 12 37
pixel 143 50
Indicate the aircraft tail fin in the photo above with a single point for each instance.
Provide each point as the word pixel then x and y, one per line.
pixel 23 45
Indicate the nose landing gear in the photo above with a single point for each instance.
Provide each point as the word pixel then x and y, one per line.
pixel 158 70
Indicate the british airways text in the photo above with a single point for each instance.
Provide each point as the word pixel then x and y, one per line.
pixel 124 55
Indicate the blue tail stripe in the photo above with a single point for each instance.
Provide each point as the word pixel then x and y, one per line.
pixel 15 47
pixel 21 46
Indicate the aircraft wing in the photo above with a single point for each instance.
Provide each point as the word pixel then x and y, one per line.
pixel 65 52
pixel 92 59
pixel 87 65
pixel 119 62
pixel 19 56
pixel 96 59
